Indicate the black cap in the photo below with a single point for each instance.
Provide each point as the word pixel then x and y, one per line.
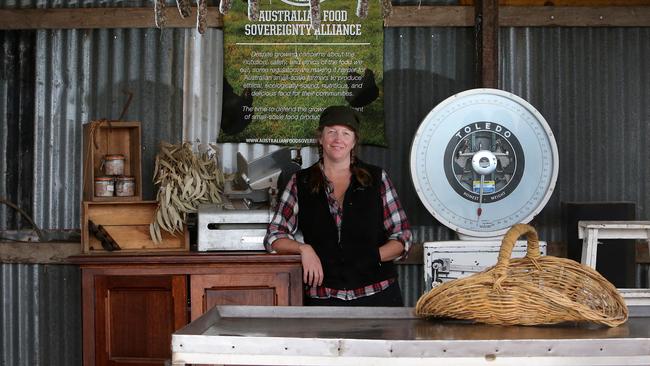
pixel 340 115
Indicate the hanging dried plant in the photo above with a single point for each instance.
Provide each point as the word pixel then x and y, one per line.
pixel 201 16
pixel 253 10
pixel 387 8
pixel 224 6
pixel 184 8
pixel 362 8
pixel 185 179
pixel 314 13
pixel 160 18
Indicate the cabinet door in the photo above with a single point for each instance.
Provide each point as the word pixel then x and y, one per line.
pixel 208 291
pixel 135 317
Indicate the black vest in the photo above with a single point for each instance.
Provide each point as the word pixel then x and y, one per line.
pixel 353 261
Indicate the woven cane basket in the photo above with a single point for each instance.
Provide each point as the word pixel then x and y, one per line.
pixel 527 291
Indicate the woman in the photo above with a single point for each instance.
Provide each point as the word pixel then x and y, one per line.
pixel 351 219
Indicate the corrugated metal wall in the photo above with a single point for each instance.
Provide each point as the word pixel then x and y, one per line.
pixel 16 130
pixel 590 84
pixel 84 75
pixel 40 315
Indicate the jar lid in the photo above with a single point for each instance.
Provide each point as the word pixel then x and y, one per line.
pixel 114 157
pixel 103 179
pixel 125 177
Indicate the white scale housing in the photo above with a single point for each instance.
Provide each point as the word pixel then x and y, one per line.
pixel 481 161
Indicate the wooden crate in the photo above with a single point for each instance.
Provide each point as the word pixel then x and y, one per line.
pixel 128 223
pixel 111 137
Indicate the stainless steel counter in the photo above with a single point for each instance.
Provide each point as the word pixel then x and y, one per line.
pixel 261 335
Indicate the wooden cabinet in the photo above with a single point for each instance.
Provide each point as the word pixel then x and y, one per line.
pixel 238 289
pixel 135 317
pixel 133 303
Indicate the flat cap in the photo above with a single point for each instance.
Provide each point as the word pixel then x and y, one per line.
pixel 340 115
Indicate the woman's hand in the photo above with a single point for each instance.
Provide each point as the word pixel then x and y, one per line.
pixel 312 270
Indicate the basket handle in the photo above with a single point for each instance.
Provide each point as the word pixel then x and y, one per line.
pixel 508 243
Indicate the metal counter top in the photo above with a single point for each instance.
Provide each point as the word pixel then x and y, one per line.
pixel 264 335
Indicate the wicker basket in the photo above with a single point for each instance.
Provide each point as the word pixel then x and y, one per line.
pixel 531 290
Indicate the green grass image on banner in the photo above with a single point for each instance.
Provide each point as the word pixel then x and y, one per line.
pixel 287 74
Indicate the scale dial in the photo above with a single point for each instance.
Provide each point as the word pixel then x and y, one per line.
pixel 484 160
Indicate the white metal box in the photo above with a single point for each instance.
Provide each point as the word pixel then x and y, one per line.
pixel 448 260
pixel 220 229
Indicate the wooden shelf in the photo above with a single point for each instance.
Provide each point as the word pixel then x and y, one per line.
pixel 111 137
pixel 128 223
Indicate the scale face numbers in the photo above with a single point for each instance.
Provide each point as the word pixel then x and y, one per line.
pixel 484 160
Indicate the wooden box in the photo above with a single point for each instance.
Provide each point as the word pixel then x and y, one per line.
pixel 101 138
pixel 128 224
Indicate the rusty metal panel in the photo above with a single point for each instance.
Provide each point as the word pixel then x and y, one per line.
pixel 40 315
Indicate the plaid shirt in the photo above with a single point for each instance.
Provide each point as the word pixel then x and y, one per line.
pixel 285 224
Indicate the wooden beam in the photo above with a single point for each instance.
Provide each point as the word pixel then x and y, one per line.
pixel 403 16
pixel 92 18
pixel 574 16
pixel 523 16
pixel 564 2
pixel 487 43
pixel 42 253
pixel 431 16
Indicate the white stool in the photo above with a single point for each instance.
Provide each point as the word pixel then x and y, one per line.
pixel 591 231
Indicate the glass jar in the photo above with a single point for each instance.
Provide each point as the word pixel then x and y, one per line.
pixel 114 164
pixel 104 187
pixel 125 186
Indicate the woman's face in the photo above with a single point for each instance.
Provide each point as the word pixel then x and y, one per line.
pixel 337 142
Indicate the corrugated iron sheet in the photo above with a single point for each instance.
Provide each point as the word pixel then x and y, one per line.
pixel 202 85
pixel 40 315
pixel 643 275
pixel 84 75
pixel 591 85
pixel 422 67
pixel 16 133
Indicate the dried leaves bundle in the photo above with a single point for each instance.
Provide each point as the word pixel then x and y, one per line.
pixel 362 8
pixel 201 16
pixel 253 10
pixel 186 179
pixel 314 12
pixel 224 6
pixel 160 18
pixel 184 8
pixel 387 8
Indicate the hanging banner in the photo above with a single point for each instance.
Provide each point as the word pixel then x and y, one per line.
pixel 280 73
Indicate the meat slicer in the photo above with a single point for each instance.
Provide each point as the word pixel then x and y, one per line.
pixel 240 222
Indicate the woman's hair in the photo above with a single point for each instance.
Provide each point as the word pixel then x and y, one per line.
pixel 362 175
